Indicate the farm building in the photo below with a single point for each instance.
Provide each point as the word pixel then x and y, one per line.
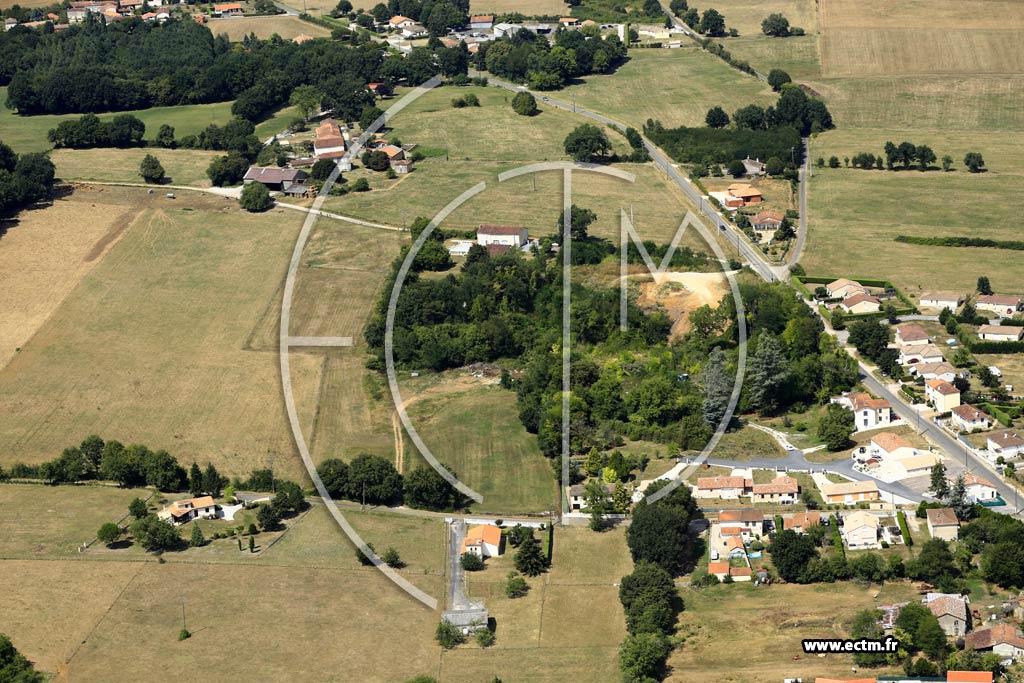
pixel 512 235
pixel 275 178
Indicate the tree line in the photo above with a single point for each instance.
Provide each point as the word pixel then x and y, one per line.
pixel 92 68
pixel 373 480
pixel 905 155
pixel 24 179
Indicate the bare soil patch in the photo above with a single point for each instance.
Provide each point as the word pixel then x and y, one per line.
pixel 679 294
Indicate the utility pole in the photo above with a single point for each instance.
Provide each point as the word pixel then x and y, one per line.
pixel 363 506
pixel 183 628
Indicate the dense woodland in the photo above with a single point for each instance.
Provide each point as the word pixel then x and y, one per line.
pixel 92 68
pixel 529 58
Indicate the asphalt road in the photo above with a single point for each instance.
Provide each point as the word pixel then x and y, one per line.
pixel 801 230
pixel 287 10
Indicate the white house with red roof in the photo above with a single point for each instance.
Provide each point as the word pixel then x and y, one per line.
pixel 726 488
pixel 967 418
pixel 869 412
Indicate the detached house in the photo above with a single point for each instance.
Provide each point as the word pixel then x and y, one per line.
pixel 844 287
pixel 979 490
pixel 483 540
pixel 941 300
pixel 860 530
pixel 800 522
pixel 890 445
pixel 746 193
pixel 726 488
pixel 941 394
pixel 967 418
pixel 767 221
pixel 942 523
pixel 869 412
pixel 784 490
pixel 1008 443
pixel 230 8
pixel 861 303
pixel 911 333
pixel 329 140
pixel 849 493
pixel 182 511
pixel 1000 333
pixel 753 166
pixel 943 371
pixel 512 235
pixel 951 611
pixel 1002 639
pixel 577 496
pixel 746 523
pixel 399 22
pixel 912 354
pixel 1003 304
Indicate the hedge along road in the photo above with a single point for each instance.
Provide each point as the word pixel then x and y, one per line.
pixel 286 342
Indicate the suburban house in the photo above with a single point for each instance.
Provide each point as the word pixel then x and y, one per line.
pixel 1007 443
pixel 569 22
pixel 942 523
pixel 941 300
pixel 869 412
pixel 481 22
pixel 920 353
pixel 767 221
pixel 951 611
pixel 577 496
pixel 941 394
pixel 849 493
pixel 844 287
pixel 784 490
pixel 280 179
pixel 979 490
pixel 182 511
pixel 753 166
pixel 890 445
pixel 860 530
pixel 727 488
pixel 413 30
pixel 921 464
pixel 800 522
pixel 512 235
pixel 329 141
pixel 1002 639
pixel 1003 304
pixel 861 303
pixel 483 540
pixel 1001 333
pixel 9 23
pixel 229 8
pixel 943 371
pixel 746 523
pixel 911 333
pixel 399 22
pixel 746 193
pixel 967 418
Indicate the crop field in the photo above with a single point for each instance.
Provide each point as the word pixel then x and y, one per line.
pixel 865 210
pixel 28 133
pixel 183 166
pixel 235 28
pixel 543 8
pixel 797 56
pixel 151 346
pixel 676 87
pixel 746 15
pixel 772 647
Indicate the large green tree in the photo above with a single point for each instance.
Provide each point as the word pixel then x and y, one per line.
pixel 587 143
pixel 791 553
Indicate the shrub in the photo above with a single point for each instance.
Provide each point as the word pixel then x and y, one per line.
pixel 471 562
pixel 448 635
pixel 524 104
pixel 255 198
pixel 151 170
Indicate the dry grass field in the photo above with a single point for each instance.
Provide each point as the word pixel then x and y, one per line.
pixel 151 346
pixel 286 26
pixel 570 621
pixel 676 87
pixel 45 253
pixel 746 15
pixel 771 646
pixel 658 207
pixel 797 56
pixel 183 166
pixel 865 210
pixel 544 8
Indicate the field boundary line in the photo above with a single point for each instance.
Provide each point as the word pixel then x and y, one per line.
pixel 319 402
pixel 105 614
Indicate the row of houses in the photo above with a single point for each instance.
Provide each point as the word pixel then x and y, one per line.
pixel 782 490
pixel 1000 304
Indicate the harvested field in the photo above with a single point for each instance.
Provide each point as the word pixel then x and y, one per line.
pixel 286 26
pixel 151 346
pixel 797 56
pixel 747 15
pixel 544 8
pixel 45 253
